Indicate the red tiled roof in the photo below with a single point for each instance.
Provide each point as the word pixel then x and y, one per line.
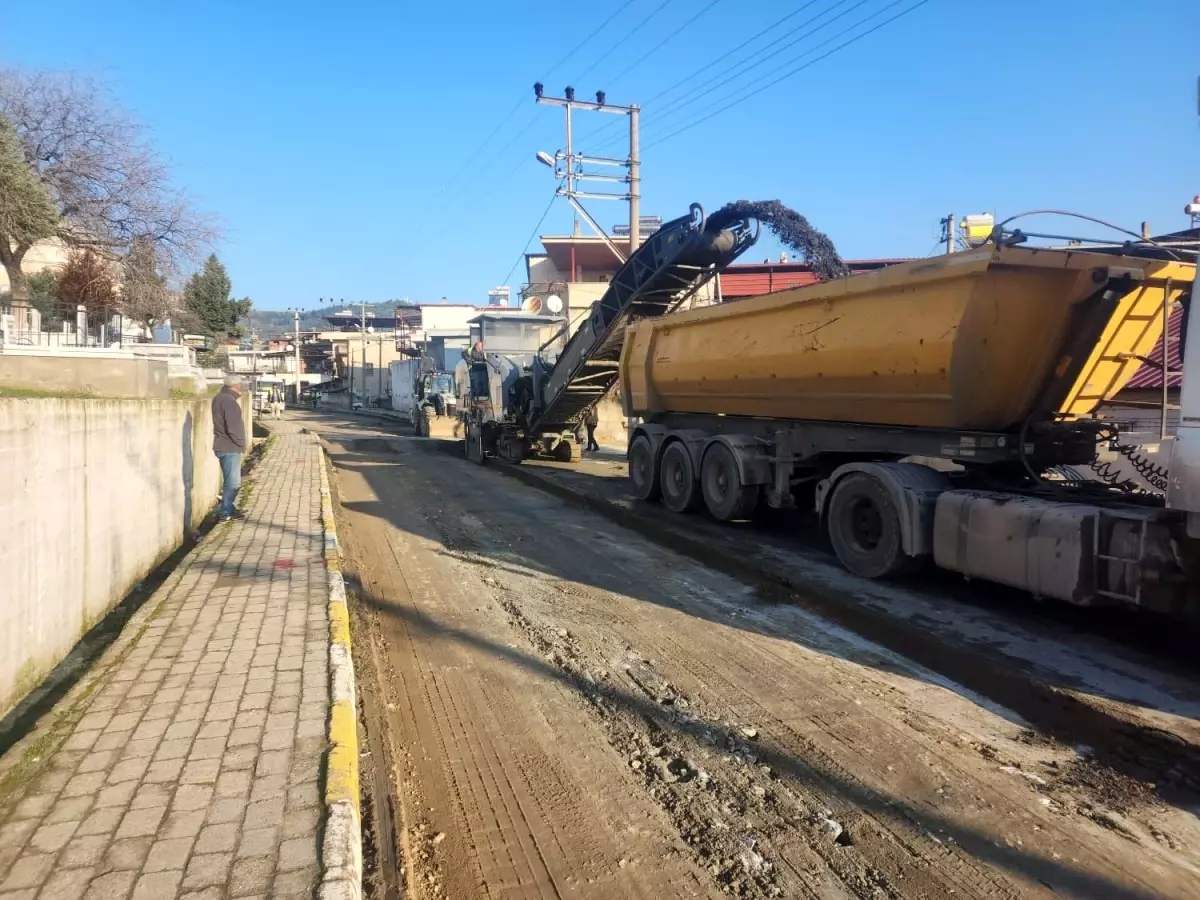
pixel 1150 376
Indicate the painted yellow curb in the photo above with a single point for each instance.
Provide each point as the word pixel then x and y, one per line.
pixel 341 857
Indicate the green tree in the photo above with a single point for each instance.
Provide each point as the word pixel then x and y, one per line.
pixel 43 296
pixel 208 297
pixel 27 213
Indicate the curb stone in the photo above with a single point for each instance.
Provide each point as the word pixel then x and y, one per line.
pixel 341 852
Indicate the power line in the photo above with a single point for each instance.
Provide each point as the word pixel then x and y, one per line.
pixel 532 235
pixel 631 32
pixel 571 53
pixel 798 69
pixel 700 91
pixel 641 59
pixel 520 103
pixel 707 67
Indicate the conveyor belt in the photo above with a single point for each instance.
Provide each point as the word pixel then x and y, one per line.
pixel 665 271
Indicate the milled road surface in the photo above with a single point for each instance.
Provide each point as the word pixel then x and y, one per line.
pixel 559 707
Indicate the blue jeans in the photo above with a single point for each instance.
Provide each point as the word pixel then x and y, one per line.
pixel 231 479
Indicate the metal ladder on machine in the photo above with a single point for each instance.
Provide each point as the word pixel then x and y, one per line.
pixel 1116 360
pixel 660 275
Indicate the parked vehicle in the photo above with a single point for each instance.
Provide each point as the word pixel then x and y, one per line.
pixel 424 396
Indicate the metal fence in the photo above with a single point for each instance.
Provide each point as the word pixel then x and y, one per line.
pixel 22 326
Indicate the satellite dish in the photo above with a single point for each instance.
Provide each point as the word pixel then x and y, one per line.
pixel 532 305
pixel 554 304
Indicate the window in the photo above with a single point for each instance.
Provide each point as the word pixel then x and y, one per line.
pixel 368 368
pixel 513 336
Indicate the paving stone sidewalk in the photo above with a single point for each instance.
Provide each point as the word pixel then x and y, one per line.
pixel 186 763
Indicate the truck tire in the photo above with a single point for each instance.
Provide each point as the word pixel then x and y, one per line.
pixel 424 421
pixel 643 471
pixel 677 478
pixel 864 528
pixel 721 485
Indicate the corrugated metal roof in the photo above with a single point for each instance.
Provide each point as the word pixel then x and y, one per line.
pixel 752 279
pixel 1150 376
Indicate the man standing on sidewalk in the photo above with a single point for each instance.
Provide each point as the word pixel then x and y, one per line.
pixel 229 443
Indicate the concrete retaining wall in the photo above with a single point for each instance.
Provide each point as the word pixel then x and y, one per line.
pixel 103 373
pixel 95 493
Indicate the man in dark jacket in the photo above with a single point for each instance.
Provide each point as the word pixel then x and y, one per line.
pixel 229 443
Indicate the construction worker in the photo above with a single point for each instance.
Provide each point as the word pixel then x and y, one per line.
pixel 591 419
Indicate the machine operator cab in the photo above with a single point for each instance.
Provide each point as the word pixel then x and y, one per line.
pixel 504 346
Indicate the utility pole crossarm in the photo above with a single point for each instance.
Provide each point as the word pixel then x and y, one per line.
pixel 573 172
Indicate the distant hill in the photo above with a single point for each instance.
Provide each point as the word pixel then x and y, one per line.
pixel 276 321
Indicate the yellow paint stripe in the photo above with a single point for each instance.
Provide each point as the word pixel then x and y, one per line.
pixel 342 775
pixel 341 780
pixel 339 625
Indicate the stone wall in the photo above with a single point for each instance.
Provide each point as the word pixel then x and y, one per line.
pixel 95 494
pixel 103 373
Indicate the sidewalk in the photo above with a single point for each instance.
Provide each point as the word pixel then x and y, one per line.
pixel 187 762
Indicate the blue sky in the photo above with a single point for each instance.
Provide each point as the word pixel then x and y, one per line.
pixel 342 145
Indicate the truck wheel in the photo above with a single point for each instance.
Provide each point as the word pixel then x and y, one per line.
pixel 721 484
pixel 565 451
pixel 677 477
pixel 864 528
pixel 643 474
pixel 423 422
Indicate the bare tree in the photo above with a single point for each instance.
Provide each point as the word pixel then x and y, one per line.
pixel 145 297
pixel 109 186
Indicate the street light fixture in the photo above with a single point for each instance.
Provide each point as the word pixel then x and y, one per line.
pixel 545 158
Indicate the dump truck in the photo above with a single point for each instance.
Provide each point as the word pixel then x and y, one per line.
pixel 942 411
pixel 424 396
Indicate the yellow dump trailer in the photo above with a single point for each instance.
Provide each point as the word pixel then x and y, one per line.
pixel 978 340
pixel 936 410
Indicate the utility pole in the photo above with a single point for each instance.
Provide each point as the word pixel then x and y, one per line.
pixel 635 178
pixel 948 232
pixel 568 166
pixel 363 338
pixel 296 348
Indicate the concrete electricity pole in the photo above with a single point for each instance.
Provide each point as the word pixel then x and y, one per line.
pixel 568 165
pixel 362 333
pixel 948 224
pixel 296 322
pixel 635 181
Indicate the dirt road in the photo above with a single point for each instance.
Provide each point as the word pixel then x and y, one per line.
pixel 561 708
